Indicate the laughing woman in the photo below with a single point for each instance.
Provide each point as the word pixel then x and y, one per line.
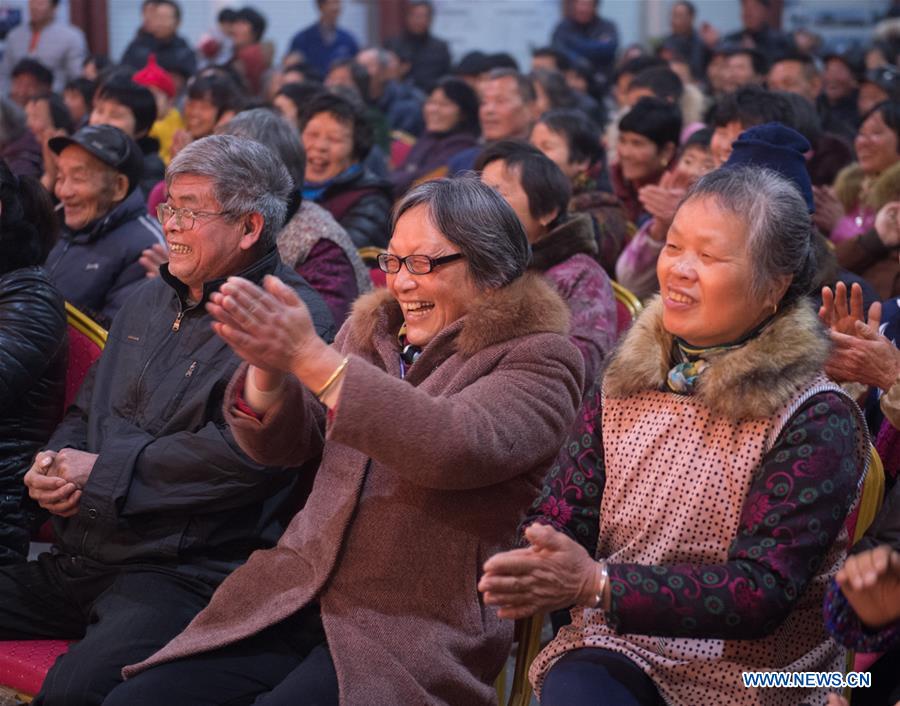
pixel 697 534
pixel 337 138
pixel 449 394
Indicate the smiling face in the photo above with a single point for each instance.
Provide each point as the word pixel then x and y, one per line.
pixel 508 183
pixel 329 147
pixel 554 145
pixel 429 302
pixel 441 114
pixel 87 188
pixel 641 160
pixel 704 273
pixel 110 112
pixel 200 117
pixel 876 145
pixel 216 246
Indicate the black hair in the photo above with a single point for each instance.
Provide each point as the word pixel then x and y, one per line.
pixel 501 60
pixel 890 113
pixel 689 6
pixel 561 60
pixel 806 119
pixel 699 138
pixel 59 113
pixel 657 120
pixel 749 106
pixel 422 3
pixel 226 15
pixel 664 83
pixel 555 87
pixel 347 112
pixel 300 94
pixel 543 182
pixel 465 98
pixel 254 18
pixel 581 134
pixel 33 67
pixel 810 63
pixel 171 3
pixel 219 89
pixel 358 75
pixel 472 64
pixel 28 224
pixel 757 59
pixel 636 65
pixel 85 87
pixel 138 99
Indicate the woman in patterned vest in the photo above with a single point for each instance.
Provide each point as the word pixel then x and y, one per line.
pixel 697 518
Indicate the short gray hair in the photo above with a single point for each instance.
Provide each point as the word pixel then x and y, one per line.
pixel 247 178
pixel 478 221
pixel 779 228
pixel 270 129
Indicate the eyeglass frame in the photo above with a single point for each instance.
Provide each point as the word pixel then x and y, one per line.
pixel 385 257
pixel 179 213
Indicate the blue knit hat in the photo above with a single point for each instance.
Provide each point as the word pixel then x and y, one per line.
pixel 776 147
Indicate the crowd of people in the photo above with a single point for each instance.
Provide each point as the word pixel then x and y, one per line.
pixel 368 395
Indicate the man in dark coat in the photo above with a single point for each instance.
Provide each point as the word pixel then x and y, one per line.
pixel 158 35
pixel 428 56
pixel 153 502
pixel 106 227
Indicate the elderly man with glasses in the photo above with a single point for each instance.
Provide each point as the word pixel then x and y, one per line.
pixel 153 501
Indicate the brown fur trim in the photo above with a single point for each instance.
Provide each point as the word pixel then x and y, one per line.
pixel 754 380
pixel 527 305
pixel 885 189
pixel 572 237
pixel 848 187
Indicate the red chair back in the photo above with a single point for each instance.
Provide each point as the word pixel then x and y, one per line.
pixel 86 341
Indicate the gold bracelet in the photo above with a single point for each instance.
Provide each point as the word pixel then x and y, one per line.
pixel 334 376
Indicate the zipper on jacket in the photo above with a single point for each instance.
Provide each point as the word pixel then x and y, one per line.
pixel 177 323
pixel 175 326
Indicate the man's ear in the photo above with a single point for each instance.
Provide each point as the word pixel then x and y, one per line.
pixel 120 189
pixel 253 225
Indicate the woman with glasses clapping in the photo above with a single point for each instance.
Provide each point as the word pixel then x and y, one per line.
pixel 448 396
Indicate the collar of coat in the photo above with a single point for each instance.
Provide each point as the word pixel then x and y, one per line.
pixel 755 380
pixel 575 235
pixel 527 305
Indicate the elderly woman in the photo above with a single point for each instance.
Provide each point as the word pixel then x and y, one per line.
pixel 697 531
pixel 449 394
pixel 337 138
pixel 563 247
pixel 311 241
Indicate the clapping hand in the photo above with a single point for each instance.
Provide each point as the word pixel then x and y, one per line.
pixel 886 224
pixel 553 572
pixel 152 258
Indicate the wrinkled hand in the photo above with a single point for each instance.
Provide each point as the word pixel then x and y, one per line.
pixel 868 358
pixel 661 203
pixel 152 258
pixel 269 326
pixel 54 494
pixel 841 313
pixel 886 224
pixel 828 209
pixel 554 572
pixel 871 583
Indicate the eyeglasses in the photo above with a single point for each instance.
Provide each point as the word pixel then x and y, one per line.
pixel 184 217
pixel 415 264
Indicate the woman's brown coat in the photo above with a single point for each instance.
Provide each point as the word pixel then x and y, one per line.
pixel 421 481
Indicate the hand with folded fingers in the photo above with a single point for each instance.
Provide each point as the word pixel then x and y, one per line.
pixel 152 257
pixel 53 493
pixel 870 581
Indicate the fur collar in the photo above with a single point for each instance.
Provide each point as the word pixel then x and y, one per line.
pixel 527 305
pixel 849 182
pixel 575 235
pixel 755 380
